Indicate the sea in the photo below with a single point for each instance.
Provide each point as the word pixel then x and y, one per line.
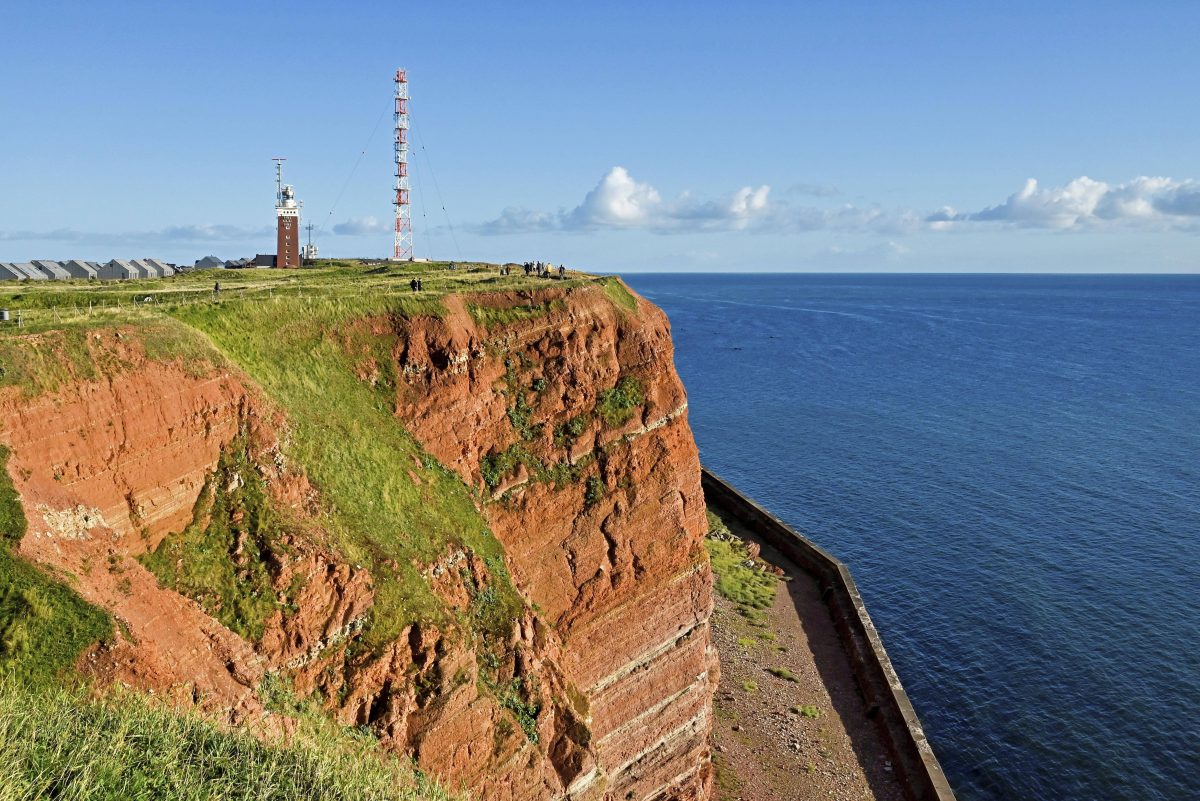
pixel 1010 466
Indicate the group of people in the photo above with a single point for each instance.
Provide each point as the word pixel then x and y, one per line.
pixel 542 269
pixel 416 285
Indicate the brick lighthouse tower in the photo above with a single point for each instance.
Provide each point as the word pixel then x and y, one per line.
pixel 287 215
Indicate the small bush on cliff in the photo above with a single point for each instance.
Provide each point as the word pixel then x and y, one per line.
pixel 60 744
pixel 593 492
pixel 44 625
pixel 615 406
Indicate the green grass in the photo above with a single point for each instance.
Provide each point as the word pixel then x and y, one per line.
pixel 60 744
pixel 44 625
pixel 806 711
pixel 783 673
pixel 497 316
pixel 615 406
pixel 619 295
pixel 750 686
pixel 12 516
pixel 749 588
pixel 353 450
pixel 226 558
pixel 47 360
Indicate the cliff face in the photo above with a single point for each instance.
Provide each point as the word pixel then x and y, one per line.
pixel 612 555
pixel 561 407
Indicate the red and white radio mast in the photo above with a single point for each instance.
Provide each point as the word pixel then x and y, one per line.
pixel 403 250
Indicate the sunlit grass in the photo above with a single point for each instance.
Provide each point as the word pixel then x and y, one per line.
pixel 57 743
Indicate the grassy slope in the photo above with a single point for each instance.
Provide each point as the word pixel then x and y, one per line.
pixel 352 448
pixel 44 625
pixel 60 744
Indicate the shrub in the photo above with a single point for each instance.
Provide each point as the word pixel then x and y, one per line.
pixel 593 492
pixel 615 406
pixel 783 673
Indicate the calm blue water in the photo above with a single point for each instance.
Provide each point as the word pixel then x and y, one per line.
pixel 1010 465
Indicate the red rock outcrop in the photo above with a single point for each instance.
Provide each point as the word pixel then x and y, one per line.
pixel 621 575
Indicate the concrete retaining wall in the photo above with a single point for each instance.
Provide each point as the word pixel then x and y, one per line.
pixel 912 757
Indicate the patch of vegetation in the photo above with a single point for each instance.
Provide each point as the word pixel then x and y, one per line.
pixel 784 673
pixel 566 433
pixel 593 492
pixel 516 697
pixel 746 642
pixel 739 579
pixel 810 712
pixel 493 610
pixel 618 294
pixel 729 786
pixel 615 406
pixel 44 624
pixel 62 745
pixel 499 316
pixel 750 686
pixel 46 361
pixel 228 556
pixel 12 516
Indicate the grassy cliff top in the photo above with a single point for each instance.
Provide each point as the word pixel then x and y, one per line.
pixel 54 304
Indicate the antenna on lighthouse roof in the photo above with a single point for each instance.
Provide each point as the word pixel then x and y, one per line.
pixel 278 178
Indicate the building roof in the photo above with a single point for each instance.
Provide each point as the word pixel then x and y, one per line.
pixel 163 268
pixel 264 260
pixel 148 270
pixel 234 264
pixel 208 261
pixel 125 269
pixel 31 272
pixel 10 273
pixel 79 269
pixel 52 269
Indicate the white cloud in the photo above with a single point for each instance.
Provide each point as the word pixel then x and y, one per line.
pixel 1084 203
pixel 619 201
pixel 360 226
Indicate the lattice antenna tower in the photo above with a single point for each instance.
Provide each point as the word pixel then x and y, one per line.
pixel 403 248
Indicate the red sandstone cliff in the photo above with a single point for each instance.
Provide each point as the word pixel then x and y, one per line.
pixel 597 503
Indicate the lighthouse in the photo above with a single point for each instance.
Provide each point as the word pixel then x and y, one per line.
pixel 287 218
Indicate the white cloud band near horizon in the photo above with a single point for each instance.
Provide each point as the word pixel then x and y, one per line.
pixel 1087 204
pixel 621 202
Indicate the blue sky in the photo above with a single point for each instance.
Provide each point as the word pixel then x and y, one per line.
pixel 616 136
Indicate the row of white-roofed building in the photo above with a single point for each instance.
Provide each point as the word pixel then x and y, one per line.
pixel 114 270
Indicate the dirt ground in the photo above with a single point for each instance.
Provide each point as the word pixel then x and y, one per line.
pixel 803 734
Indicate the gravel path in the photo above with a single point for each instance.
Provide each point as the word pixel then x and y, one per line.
pixel 802 734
